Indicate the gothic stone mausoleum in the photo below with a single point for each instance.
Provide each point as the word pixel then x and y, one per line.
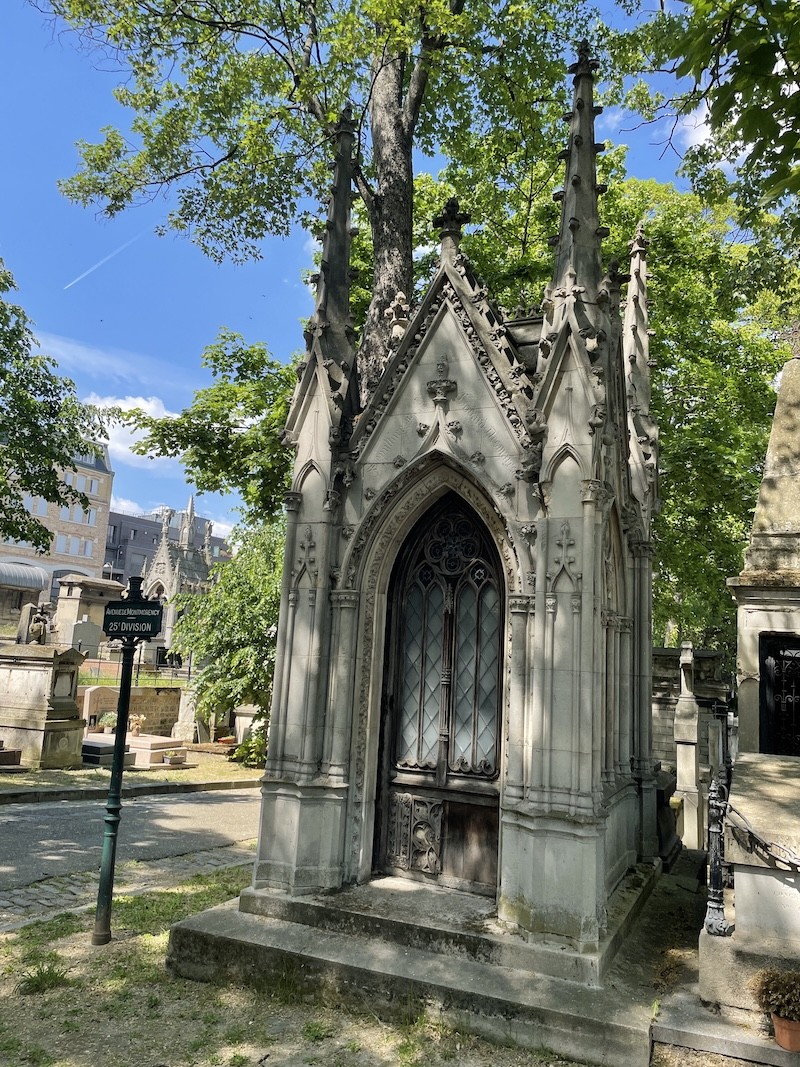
pixel 462 690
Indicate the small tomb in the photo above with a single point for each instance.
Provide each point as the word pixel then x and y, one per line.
pixel 150 749
pixel 96 753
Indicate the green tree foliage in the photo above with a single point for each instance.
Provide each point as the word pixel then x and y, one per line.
pixel 741 61
pixel 230 631
pixel 234 106
pixel 43 427
pixel 229 438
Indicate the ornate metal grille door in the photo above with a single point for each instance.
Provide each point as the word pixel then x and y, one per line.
pixel 780 694
pixel 439 799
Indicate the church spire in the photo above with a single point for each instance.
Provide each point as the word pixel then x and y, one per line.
pixel 578 258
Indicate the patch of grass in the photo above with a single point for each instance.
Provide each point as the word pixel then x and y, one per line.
pixel 238 1060
pixel 235 1035
pixel 409 1053
pixel 316 1031
pixel 42 978
pixel 152 913
pixel 46 930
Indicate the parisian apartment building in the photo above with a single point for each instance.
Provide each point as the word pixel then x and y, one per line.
pixel 97 543
pixel 77 546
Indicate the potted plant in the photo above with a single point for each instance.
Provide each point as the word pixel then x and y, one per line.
pixel 135 724
pixel 108 721
pixel 173 757
pixel 778 994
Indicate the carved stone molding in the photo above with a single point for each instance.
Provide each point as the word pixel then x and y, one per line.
pixel 292 501
pixel 344 598
pixel 415 833
pixel 520 604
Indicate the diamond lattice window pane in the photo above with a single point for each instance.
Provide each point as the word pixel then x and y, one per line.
pixel 432 677
pixel 464 677
pixel 410 675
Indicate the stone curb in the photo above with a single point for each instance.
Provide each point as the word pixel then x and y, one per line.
pixel 40 796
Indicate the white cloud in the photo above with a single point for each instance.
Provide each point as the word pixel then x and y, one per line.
pixel 221 526
pixel 109 365
pixel 609 124
pixel 693 129
pixel 129 507
pixel 122 438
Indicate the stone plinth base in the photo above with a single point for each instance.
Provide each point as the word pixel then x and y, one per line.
pixel 301 836
pixel 729 964
pixel 49 744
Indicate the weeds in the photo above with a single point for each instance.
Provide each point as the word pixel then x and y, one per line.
pixel 316 1031
pixel 42 978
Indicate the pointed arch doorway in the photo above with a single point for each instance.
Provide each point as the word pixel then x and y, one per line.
pixel 438 778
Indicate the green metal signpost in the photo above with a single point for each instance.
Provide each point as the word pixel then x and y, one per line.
pixel 131 620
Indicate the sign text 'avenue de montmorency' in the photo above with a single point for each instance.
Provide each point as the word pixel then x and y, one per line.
pixel 132 619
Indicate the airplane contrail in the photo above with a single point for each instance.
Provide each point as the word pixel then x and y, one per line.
pixel 110 255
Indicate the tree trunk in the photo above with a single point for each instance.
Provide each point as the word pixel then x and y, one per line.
pixel 390 209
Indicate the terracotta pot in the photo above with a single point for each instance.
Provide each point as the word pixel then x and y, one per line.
pixel 787 1033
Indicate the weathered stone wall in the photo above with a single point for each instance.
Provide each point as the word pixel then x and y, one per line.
pixel 160 706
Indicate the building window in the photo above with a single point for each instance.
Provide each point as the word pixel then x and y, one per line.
pixel 64 513
pixel 88 549
pixel 111 535
pixel 61 543
pixel 132 535
pixel 94 486
pixel 40 506
pixel 74 546
pixel 80 483
pixel 91 517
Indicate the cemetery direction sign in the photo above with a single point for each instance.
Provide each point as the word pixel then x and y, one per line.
pixel 132 618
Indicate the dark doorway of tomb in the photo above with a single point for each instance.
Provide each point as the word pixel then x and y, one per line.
pixel 779 731
pixel 438 788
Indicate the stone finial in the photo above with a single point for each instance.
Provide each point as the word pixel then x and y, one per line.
pixel 207 553
pixel 449 223
pixel 578 242
pixel 187 526
pixel 635 332
pixel 397 316
pixel 166 519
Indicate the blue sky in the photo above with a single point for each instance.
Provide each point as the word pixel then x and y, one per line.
pixel 126 313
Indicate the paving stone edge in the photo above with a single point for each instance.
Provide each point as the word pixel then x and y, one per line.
pixel 39 796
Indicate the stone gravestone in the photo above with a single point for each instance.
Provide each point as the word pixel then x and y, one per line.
pixel 39 713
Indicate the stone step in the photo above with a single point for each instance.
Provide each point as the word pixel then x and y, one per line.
pixel 505 1004
pixel 449 922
